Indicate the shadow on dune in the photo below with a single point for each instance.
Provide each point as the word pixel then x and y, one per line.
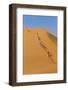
pixel 52 37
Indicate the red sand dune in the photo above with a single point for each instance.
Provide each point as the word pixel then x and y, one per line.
pixel 40 51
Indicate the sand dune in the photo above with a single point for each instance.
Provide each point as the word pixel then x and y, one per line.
pixel 40 51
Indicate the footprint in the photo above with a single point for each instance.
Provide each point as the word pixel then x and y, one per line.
pixel 38 36
pixel 44 47
pixel 28 30
pixel 50 56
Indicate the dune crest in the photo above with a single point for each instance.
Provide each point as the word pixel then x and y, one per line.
pixel 40 51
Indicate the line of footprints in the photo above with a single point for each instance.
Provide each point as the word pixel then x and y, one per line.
pixel 46 49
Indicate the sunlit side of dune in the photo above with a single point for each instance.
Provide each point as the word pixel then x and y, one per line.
pixel 40 51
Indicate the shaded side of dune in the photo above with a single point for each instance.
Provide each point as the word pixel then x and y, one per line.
pixel 52 37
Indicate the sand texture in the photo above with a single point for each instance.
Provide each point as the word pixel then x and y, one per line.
pixel 40 51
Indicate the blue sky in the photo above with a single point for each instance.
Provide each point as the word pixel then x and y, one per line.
pixel 48 22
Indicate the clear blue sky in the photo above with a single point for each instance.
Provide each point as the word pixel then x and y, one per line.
pixel 48 22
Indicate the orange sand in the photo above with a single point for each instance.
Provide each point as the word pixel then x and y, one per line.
pixel 40 51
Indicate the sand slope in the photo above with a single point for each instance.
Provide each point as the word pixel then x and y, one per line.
pixel 40 51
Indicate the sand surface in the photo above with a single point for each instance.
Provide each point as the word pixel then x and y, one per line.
pixel 40 51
